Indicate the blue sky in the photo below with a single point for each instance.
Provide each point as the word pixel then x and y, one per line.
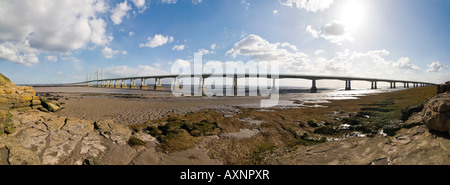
pixel 62 41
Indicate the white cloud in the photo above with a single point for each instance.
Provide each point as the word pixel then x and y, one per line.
pixel 52 58
pixel 247 4
pixel 98 34
pixel 196 1
pixel 313 32
pixel 156 41
pixel 308 5
pixel 275 12
pixel 335 32
pixel 259 49
pixel 131 33
pixel 178 47
pixel 109 53
pixel 213 46
pixel 119 12
pixel 436 67
pixel 126 71
pixel 49 26
pixel 287 45
pixel 369 64
pixel 169 1
pixel 318 52
pixel 18 53
pixel 205 51
pixel 405 63
pixel 70 58
pixel 140 4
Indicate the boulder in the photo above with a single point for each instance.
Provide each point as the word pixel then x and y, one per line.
pixel 443 88
pixel 436 113
pixel 414 120
pixel 51 106
pixel 406 113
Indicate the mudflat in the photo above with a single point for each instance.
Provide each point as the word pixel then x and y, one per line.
pixel 126 106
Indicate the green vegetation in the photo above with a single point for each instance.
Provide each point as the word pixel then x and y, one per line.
pixel 307 140
pixel 329 130
pixel 200 129
pixel 259 155
pixel 177 134
pixel 136 142
pixel 6 125
pixel 3 78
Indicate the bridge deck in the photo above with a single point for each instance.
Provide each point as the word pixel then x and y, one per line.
pixel 280 76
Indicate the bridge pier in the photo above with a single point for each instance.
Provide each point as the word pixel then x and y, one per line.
pixel 235 86
pixel 133 84
pixel 392 85
pixel 124 84
pixel 202 86
pixel 348 85
pixel 374 85
pixel 158 85
pixel 313 87
pixel 144 83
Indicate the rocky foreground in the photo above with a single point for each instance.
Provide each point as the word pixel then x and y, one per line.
pixel 30 133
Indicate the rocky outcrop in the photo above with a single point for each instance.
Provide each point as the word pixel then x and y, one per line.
pixel 12 95
pixel 443 88
pixel 436 113
pixel 33 135
pixel 117 133
pixel 415 146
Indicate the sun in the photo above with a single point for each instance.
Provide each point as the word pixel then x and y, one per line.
pixel 352 14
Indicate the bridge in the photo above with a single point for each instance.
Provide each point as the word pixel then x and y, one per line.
pixel 130 82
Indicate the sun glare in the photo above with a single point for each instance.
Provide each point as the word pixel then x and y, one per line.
pixel 352 14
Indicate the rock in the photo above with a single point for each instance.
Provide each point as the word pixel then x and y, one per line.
pixel 443 88
pixel 92 145
pixel 381 161
pixel 35 102
pixel 120 134
pixel 61 145
pixel 19 155
pixel 93 161
pixel 414 120
pixel 436 113
pixel 406 113
pixel 55 122
pixel 77 126
pixel 51 106
pixel 33 139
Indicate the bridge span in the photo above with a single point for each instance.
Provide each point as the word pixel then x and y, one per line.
pixel 130 82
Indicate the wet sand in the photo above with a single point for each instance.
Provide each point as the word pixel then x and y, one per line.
pixel 126 106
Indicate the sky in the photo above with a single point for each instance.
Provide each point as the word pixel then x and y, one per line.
pixel 62 41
